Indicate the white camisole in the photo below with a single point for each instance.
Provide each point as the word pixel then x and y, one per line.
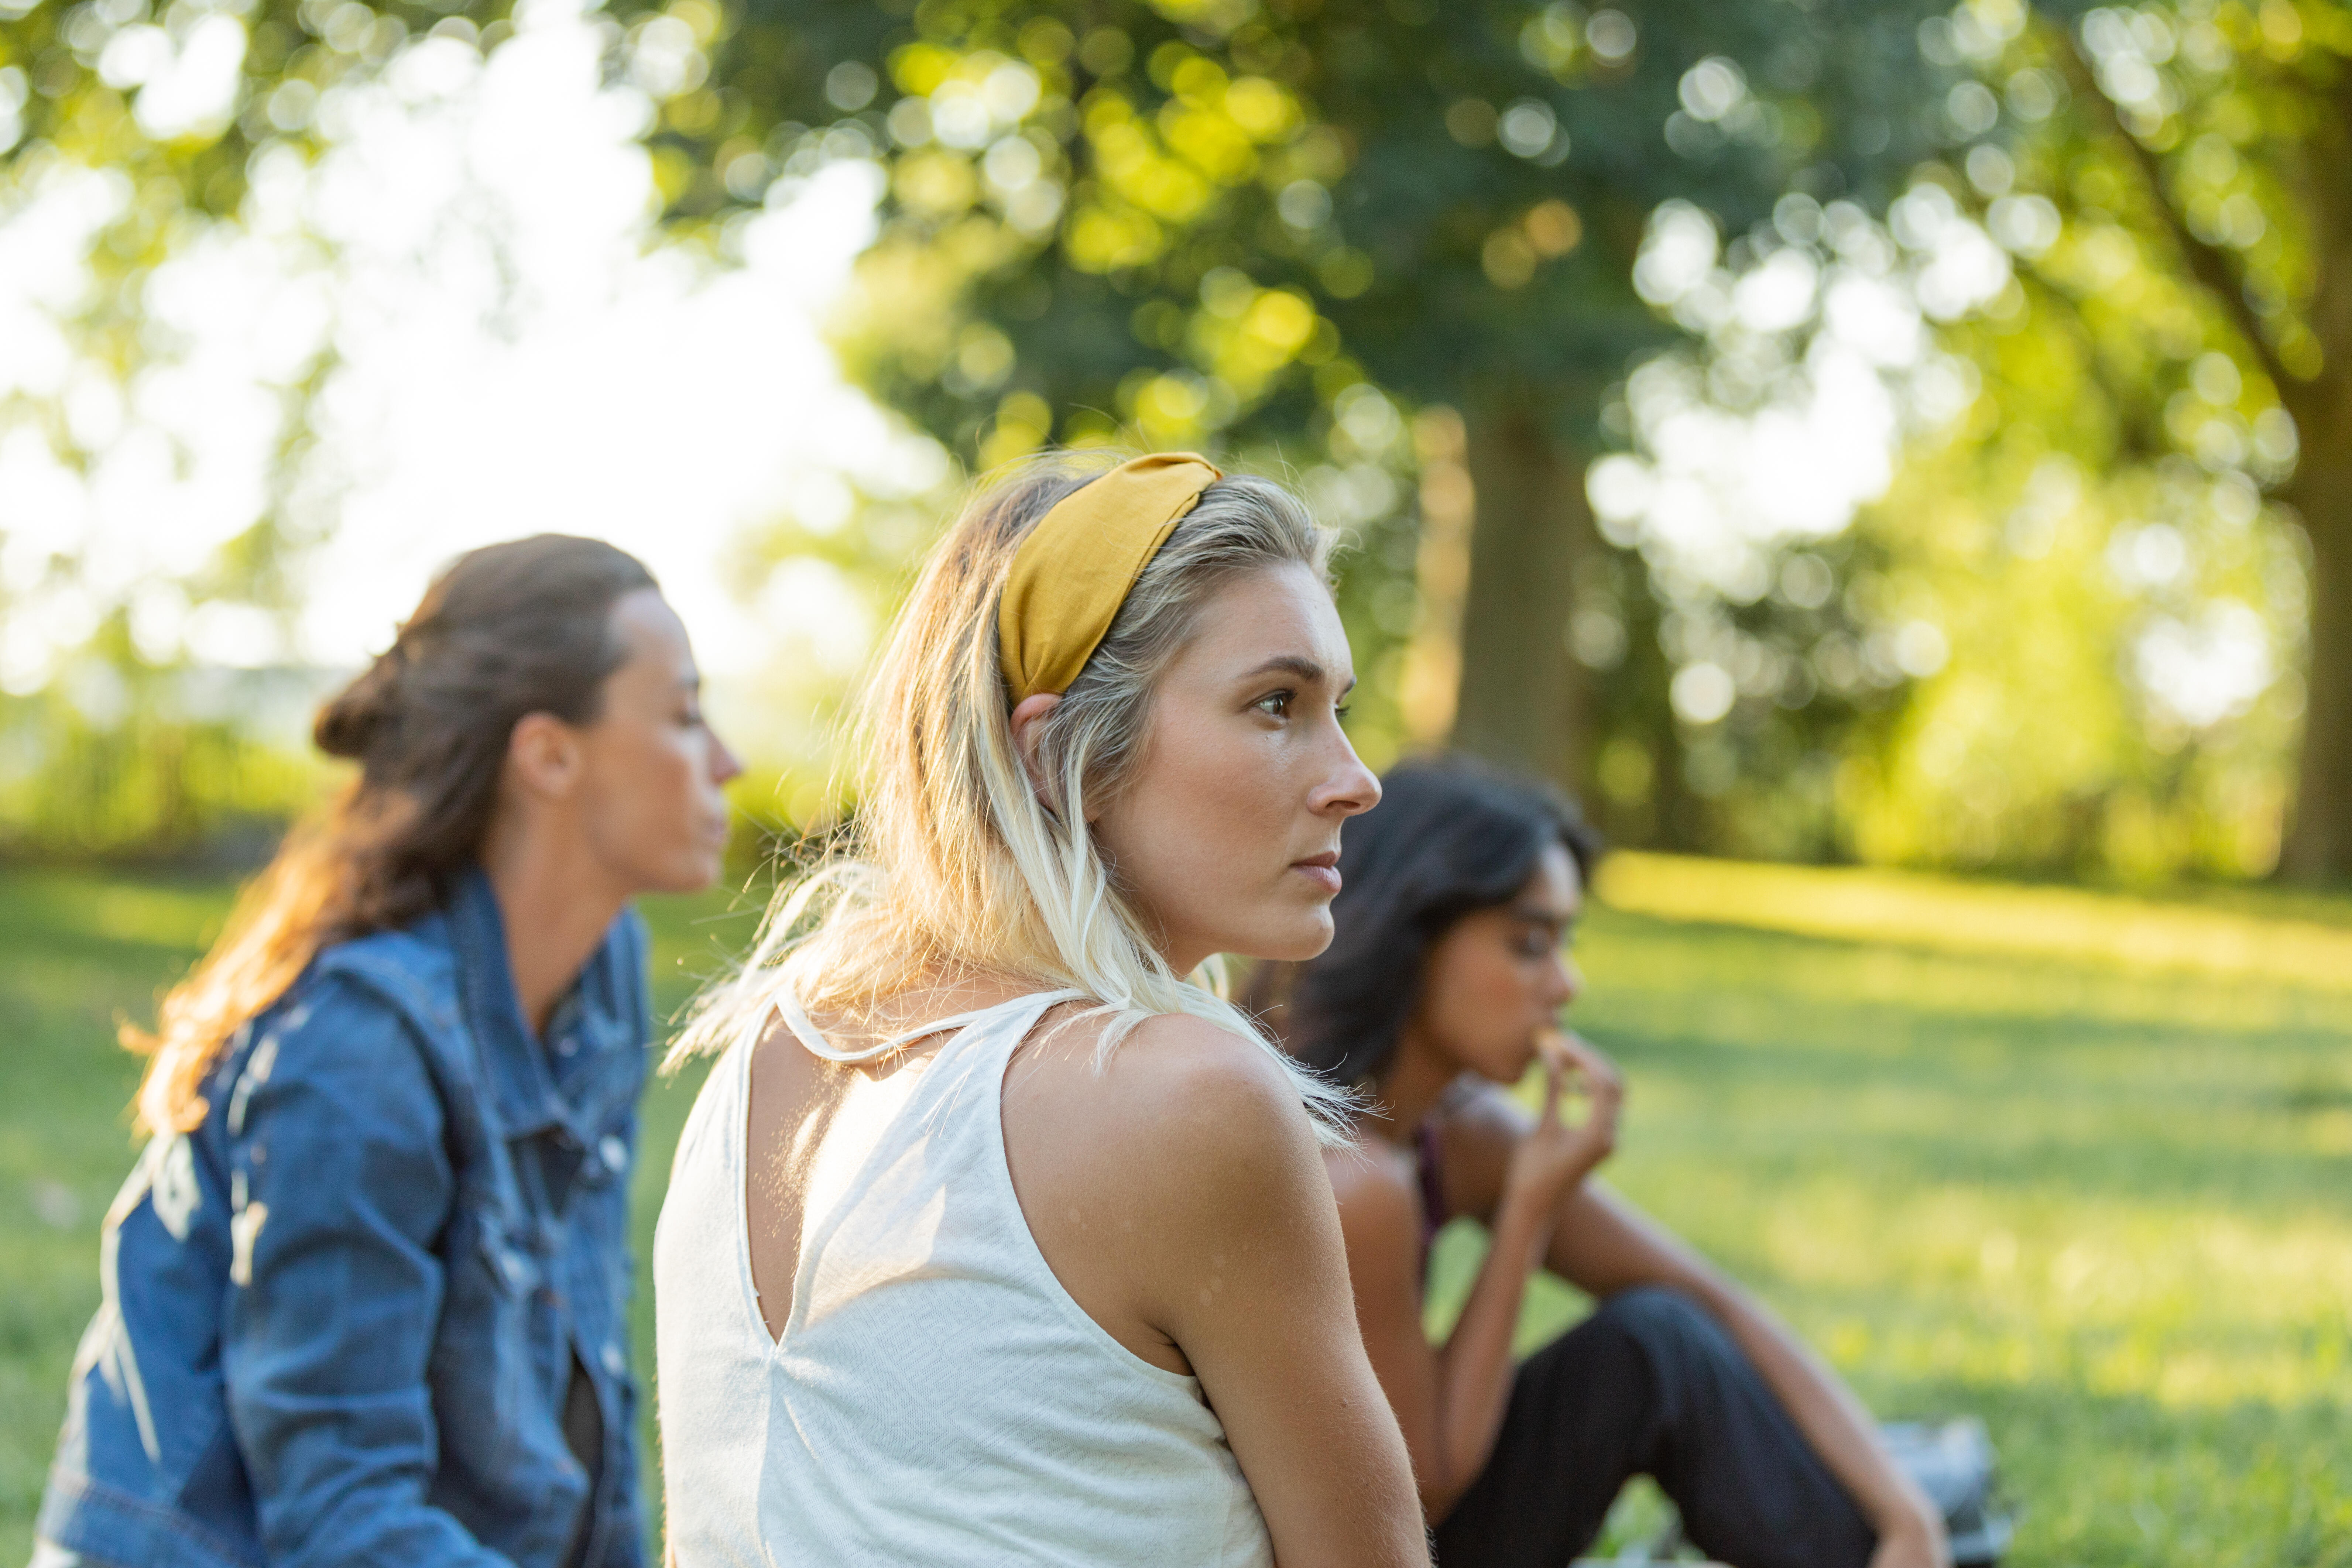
pixel 936 1396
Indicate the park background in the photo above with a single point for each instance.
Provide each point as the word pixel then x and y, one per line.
pixel 1894 463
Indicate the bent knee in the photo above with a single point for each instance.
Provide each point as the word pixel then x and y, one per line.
pixel 1663 1319
pixel 1685 1350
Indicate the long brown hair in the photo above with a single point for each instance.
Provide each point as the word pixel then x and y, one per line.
pixel 504 631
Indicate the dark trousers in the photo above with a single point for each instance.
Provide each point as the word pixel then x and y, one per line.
pixel 1650 1385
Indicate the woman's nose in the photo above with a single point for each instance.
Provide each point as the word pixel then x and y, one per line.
pixel 1564 982
pixel 724 763
pixel 1352 790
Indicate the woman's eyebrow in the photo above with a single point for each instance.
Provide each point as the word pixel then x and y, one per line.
pixel 1294 664
pixel 1287 664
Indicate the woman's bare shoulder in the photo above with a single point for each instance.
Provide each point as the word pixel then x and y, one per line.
pixel 1181 1109
pixel 1479 1126
pixel 1380 1215
pixel 1372 1175
pixel 1182 1157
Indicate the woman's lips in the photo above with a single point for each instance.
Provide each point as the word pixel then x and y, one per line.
pixel 1323 871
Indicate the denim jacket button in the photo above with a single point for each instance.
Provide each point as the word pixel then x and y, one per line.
pixel 615 1153
pixel 615 1362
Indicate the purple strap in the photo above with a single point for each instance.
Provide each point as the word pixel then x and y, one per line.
pixel 1428 1166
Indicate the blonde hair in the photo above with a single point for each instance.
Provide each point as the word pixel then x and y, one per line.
pixel 954 863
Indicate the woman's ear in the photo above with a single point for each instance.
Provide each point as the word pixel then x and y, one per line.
pixel 544 755
pixel 1028 724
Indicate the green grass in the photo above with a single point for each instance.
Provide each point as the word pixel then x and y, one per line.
pixel 2107 1208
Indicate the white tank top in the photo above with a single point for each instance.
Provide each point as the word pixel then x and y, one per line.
pixel 936 1396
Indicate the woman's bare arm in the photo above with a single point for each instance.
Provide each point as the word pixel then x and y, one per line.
pixel 1603 1244
pixel 1451 1401
pixel 1187 1212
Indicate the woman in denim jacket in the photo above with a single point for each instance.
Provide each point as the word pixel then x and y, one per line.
pixel 365 1292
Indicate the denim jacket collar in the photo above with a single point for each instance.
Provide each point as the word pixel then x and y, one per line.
pixel 523 1090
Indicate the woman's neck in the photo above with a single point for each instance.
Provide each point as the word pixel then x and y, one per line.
pixel 1416 1078
pixel 556 906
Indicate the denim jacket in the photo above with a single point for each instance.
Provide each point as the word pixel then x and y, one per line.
pixel 342 1317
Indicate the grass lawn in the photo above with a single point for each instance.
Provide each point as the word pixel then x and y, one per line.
pixel 2079 1163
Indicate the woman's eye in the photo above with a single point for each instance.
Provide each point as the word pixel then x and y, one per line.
pixel 1342 711
pixel 1275 704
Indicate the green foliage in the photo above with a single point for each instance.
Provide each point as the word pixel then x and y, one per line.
pixel 1273 230
pixel 2092 1201
pixel 1201 220
pixel 2143 382
pixel 140 789
pixel 1306 235
pixel 81 75
pixel 118 758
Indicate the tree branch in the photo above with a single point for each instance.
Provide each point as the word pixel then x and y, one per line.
pixel 2328 311
pixel 2137 432
pixel 2207 263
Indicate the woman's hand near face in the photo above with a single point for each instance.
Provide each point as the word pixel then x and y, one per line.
pixel 1602 1243
pixel 1451 1400
pixel 1554 1156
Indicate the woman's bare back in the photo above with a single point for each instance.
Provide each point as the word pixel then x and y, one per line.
pixel 1068 1147
pixel 1178 1195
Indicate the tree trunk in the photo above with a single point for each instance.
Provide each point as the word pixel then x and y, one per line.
pixel 1523 701
pixel 2318 846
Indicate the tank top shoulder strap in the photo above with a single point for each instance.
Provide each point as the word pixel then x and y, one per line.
pixel 813 1039
pixel 1429 1170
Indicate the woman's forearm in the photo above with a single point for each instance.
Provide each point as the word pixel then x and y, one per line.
pixel 1833 1421
pixel 1474 1368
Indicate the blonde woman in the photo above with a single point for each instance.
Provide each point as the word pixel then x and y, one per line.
pixel 994 1237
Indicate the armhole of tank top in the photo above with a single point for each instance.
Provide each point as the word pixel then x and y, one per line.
pixel 739 1178
pixel 740 1165
pixel 1050 1283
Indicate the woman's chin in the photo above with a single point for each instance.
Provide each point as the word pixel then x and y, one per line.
pixel 1296 942
pixel 1505 1070
pixel 685 870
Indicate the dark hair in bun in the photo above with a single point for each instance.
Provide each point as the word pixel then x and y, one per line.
pixel 504 631
pixel 349 722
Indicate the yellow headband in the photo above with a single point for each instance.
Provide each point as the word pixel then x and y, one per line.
pixel 1076 568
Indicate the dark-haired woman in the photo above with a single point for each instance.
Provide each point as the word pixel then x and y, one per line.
pixel 1460 890
pixel 365 1292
